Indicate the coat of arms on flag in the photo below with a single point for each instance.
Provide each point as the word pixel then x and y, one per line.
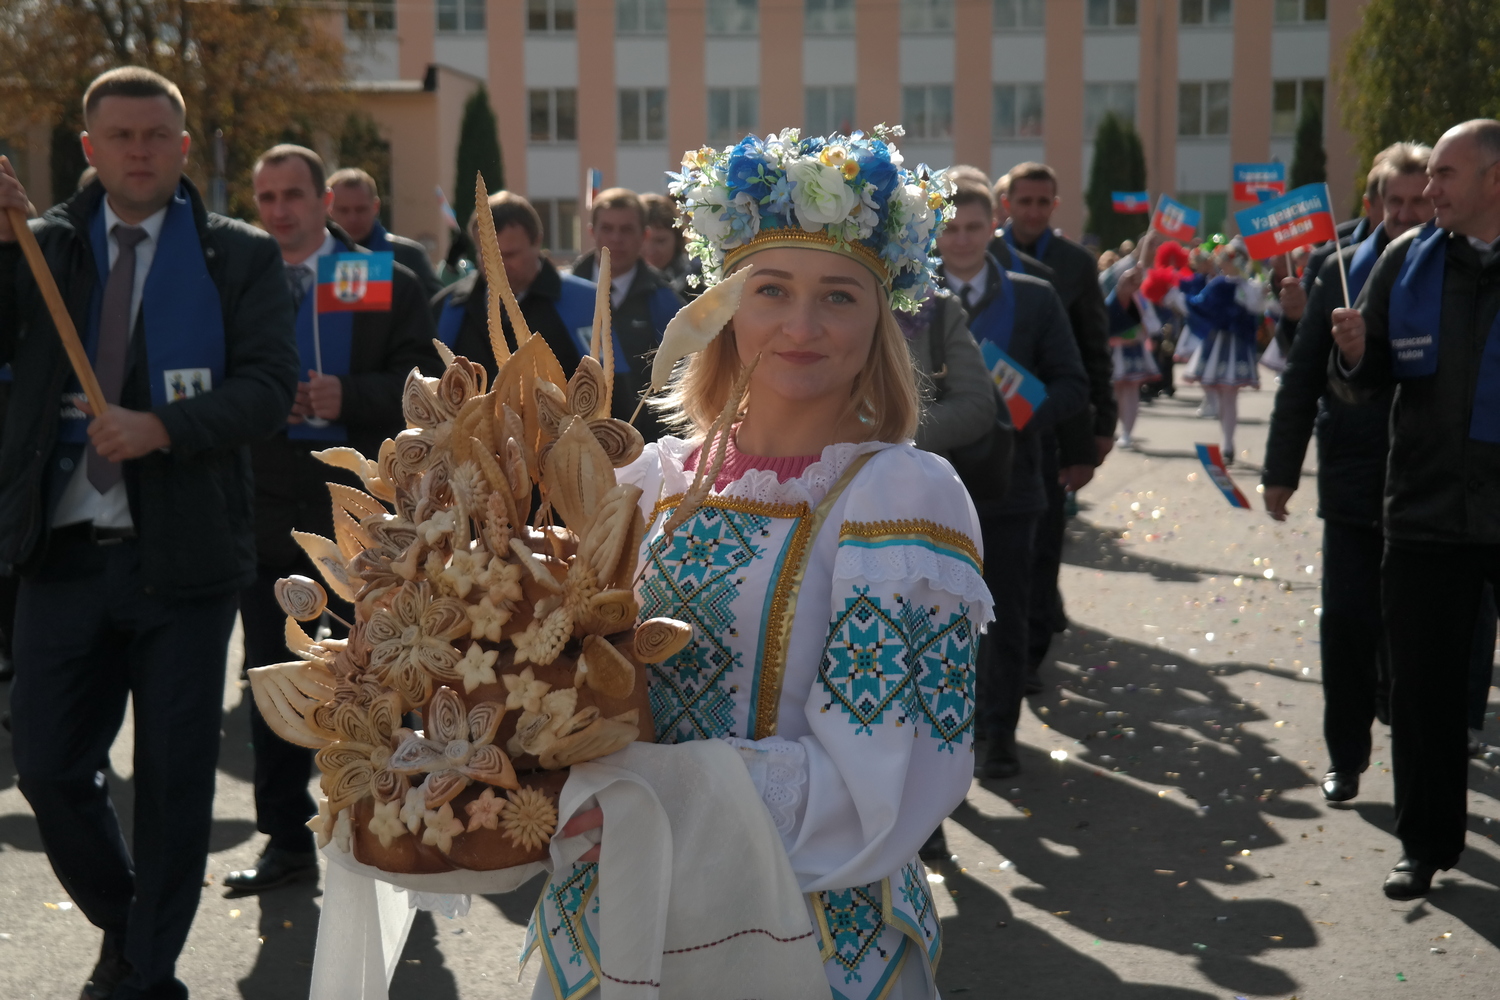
pixel 355 282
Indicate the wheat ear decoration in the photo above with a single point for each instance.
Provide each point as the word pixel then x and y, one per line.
pixel 602 344
pixel 714 451
pixel 489 258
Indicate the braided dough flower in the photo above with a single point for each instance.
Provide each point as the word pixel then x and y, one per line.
pixel 485 811
pixel 411 641
pixel 530 818
pixel 456 749
pixel 477 667
pixel 386 823
pixel 442 827
pixel 301 598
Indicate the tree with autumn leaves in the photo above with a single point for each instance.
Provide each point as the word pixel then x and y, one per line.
pixel 260 71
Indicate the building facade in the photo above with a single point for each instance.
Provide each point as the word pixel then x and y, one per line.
pixel 624 86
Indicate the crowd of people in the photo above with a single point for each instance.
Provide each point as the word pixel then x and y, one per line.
pixel 138 533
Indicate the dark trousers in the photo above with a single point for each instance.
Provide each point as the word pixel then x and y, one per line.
pixel 1355 668
pixel 1045 613
pixel 1001 679
pixel 87 635
pixel 282 802
pixel 1431 599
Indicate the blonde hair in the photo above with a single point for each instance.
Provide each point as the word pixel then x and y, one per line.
pixel 884 392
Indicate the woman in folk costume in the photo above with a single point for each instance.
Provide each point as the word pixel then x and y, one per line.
pixel 1230 308
pixel 829 569
pixel 1133 325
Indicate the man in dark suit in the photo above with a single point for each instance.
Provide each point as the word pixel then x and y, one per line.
pixel 354 401
pixel 131 528
pixel 557 307
pixel 356 210
pixel 1428 325
pixel 1017 319
pixel 641 299
pixel 1028 197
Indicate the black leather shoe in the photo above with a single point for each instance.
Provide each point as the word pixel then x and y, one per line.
pixel 108 974
pixel 273 869
pixel 1340 786
pixel 999 760
pixel 936 848
pixel 1034 684
pixel 1409 879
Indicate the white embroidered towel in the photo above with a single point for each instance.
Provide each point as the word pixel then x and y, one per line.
pixel 697 900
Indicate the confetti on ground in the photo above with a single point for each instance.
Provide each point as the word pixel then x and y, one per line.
pixel 1400 977
pixel 234 914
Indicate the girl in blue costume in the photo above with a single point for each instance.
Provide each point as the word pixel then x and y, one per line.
pixel 1230 308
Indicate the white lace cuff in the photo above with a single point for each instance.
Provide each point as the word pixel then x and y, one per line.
pixel 909 563
pixel 778 769
pixel 450 904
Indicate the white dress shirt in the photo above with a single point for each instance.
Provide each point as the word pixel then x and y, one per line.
pixel 977 286
pixel 619 286
pixel 80 501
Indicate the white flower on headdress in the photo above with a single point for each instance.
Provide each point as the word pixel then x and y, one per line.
pixel 743 218
pixel 820 194
pixel 867 217
pixel 916 215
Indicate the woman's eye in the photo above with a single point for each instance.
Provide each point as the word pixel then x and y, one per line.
pixel 840 297
pixel 772 290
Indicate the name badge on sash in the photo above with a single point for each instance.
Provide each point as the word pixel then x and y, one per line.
pixel 1416 311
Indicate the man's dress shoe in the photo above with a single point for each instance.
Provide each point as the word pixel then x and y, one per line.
pixel 274 868
pixel 1409 879
pixel 109 972
pixel 1340 786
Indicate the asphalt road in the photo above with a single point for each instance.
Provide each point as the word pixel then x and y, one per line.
pixel 1166 840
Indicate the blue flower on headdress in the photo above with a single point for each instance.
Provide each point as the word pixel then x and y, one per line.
pixel 875 167
pixel 748 168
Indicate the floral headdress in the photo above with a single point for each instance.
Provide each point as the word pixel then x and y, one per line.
pixel 847 194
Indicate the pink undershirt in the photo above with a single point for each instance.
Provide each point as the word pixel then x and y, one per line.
pixel 737 463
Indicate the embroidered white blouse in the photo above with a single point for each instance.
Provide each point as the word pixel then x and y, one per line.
pixel 835 621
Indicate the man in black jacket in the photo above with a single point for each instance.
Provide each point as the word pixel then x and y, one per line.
pixel 132 527
pixel 1016 319
pixel 557 307
pixel 356 210
pixel 1352 447
pixel 641 300
pixel 1427 324
pixel 355 401
pixel 1076 446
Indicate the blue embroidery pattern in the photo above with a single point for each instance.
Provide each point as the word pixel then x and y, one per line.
pixel 567 899
pixel 876 660
pixel 855 924
pixel 693 576
pixel 914 910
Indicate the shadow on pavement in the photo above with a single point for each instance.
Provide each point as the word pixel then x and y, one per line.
pixel 517 906
pixel 1117 860
pixel 289 930
pixel 421 972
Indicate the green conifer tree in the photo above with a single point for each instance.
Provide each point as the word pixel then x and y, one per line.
pixel 1119 165
pixel 478 150
pixel 1309 161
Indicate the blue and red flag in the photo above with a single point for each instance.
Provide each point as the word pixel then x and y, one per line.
pixel 1173 218
pixel 1250 178
pixel 447 209
pixel 1022 391
pixel 593 183
pixel 1296 219
pixel 1131 202
pixel 355 282
pixel 1213 463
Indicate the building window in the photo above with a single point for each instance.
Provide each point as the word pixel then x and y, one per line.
pixel 643 114
pixel 1288 98
pixel 829 109
pixel 732 113
pixel 733 17
pixel 1203 108
pixel 460 15
pixel 551 15
pixel 1111 13
pixel 1018 110
pixel 926 15
pixel 641 17
pixel 1019 15
pixel 554 115
pixel 828 17
pixel 1099 99
pixel 559 223
pixel 927 112
pixel 1207 12
pixel 371 15
pixel 1299 11
pixel 1213 204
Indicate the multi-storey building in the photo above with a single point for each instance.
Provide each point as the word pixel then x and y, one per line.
pixel 624 86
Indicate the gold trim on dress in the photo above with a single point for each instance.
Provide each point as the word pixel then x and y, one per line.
pixel 938 534
pixel 787 590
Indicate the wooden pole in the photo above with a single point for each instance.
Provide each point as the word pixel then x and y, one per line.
pixel 60 318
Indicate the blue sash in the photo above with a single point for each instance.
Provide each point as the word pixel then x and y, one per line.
pixel 1416 316
pixel 378 239
pixel 1361 264
pixel 997 322
pixel 451 320
pixel 336 338
pixel 181 313
pixel 1041 242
